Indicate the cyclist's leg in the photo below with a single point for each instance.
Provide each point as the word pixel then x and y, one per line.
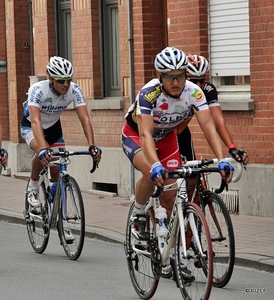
pixel 58 146
pixel 144 186
pixel 36 167
pixel 187 150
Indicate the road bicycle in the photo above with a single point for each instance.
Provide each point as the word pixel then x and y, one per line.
pixel 188 234
pixel 1 155
pixel 217 217
pixel 66 206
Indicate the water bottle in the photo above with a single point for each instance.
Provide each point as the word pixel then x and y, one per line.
pixel 52 191
pixel 161 222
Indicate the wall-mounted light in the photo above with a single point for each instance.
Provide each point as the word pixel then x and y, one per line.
pixel 26 46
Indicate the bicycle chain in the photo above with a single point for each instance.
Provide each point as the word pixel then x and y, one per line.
pixel 156 262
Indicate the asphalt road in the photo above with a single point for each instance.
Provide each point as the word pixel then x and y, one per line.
pixel 100 273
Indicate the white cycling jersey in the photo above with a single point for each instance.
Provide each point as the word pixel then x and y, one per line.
pixel 167 111
pixel 51 104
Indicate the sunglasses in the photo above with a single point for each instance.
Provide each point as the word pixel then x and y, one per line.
pixel 197 80
pixel 62 80
pixel 170 77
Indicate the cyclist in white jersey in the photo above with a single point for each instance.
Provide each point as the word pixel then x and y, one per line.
pixel 149 135
pixel 151 123
pixel 3 152
pixel 41 127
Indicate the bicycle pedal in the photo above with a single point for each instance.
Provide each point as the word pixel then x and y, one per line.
pixel 35 212
pixel 197 264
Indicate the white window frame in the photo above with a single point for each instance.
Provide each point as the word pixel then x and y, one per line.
pixel 229 26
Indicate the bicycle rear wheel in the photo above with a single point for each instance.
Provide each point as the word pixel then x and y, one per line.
pixel 222 237
pixel 144 269
pixel 199 264
pixel 72 215
pixel 37 221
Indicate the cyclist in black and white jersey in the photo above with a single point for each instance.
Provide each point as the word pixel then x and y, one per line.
pixel 3 152
pixel 197 70
pixel 41 127
pixel 149 134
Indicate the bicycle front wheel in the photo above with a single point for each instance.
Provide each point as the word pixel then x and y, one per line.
pixel 222 237
pixel 143 269
pixel 71 220
pixel 198 260
pixel 37 221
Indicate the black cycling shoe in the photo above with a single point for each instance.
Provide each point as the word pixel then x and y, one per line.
pixel 167 271
pixel 186 274
pixel 138 229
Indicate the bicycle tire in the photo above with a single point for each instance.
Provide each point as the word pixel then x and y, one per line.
pixel 74 214
pixel 37 221
pixel 140 263
pixel 223 240
pixel 200 267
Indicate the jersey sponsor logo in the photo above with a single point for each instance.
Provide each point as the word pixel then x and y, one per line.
pixel 77 92
pixel 51 108
pixel 49 99
pixel 126 149
pixel 36 95
pixel 198 95
pixel 152 96
pixel 172 163
pixel 208 88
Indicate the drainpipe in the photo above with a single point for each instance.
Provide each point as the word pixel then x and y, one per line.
pixel 31 38
pixel 132 85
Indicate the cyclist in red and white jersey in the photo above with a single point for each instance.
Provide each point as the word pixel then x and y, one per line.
pixel 41 127
pixel 149 135
pixel 3 152
pixel 197 70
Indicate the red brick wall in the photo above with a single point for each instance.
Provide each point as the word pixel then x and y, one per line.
pixel 187 30
pixel 18 58
pixel 4 115
pixel 259 127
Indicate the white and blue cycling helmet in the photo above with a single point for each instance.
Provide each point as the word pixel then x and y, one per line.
pixel 170 59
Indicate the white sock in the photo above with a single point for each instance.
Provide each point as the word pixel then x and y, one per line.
pixel 33 183
pixel 139 209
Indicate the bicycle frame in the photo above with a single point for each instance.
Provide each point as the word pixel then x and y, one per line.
pixel 176 215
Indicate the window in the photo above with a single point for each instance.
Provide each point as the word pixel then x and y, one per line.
pixel 111 53
pixel 63 25
pixel 229 47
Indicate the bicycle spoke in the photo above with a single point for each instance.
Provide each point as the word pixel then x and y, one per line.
pixel 140 266
pixel 37 222
pixel 72 218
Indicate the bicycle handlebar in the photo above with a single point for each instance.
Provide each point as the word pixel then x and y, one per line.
pixel 205 162
pixel 64 154
pixel 194 167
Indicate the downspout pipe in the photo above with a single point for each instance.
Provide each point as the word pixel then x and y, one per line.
pixel 31 38
pixel 132 85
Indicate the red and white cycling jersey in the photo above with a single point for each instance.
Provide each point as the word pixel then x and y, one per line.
pixel 166 110
pixel 51 104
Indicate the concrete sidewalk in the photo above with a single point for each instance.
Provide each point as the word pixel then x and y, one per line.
pixel 106 218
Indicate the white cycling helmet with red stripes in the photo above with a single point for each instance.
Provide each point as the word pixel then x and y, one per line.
pixel 197 66
pixel 170 59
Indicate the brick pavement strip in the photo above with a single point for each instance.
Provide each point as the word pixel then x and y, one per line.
pixel 106 216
